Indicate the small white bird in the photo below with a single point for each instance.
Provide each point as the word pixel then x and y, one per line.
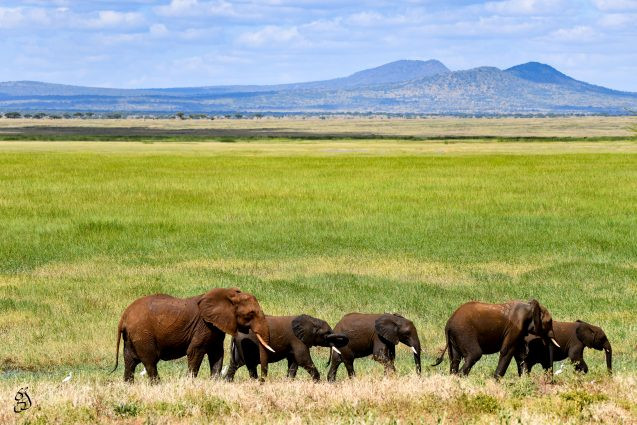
pixel 224 371
pixel 68 378
pixel 143 372
pixel 560 370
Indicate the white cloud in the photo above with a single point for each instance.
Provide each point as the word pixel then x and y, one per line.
pixel 270 34
pixel 158 30
pixel 578 34
pixel 618 20
pixel 191 8
pixel 614 5
pixel 111 18
pixel 10 17
pixel 524 7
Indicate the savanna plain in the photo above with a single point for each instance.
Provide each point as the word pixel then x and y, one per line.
pixel 322 217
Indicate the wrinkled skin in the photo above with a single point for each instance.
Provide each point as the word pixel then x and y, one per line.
pixel 476 328
pixel 291 338
pixel 161 327
pixel 573 337
pixel 375 334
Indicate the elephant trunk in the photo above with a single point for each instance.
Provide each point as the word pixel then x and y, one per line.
pixel 336 340
pixel 262 331
pixel 609 356
pixel 415 348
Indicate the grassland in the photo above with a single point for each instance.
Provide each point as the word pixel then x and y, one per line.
pixel 321 227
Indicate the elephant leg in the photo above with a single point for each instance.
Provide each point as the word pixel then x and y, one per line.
pixel 503 363
pixel 195 357
pixel 581 366
pixel 349 365
pixel 470 360
pixel 151 369
pixel 336 362
pixel 454 356
pixel 520 363
pixel 576 355
pixel 305 361
pixel 236 361
pixel 384 354
pixel 130 363
pixel 146 351
pixel 252 371
pixel 215 359
pixel 293 366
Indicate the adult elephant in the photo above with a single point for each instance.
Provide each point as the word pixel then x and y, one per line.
pixel 291 337
pixel 161 327
pixel 477 328
pixel 375 334
pixel 573 337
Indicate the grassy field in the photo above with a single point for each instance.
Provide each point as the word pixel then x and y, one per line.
pixel 317 227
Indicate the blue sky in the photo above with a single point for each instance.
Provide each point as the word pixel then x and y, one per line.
pixel 169 43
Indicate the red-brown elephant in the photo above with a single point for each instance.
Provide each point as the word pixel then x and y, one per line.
pixel 161 327
pixel 477 328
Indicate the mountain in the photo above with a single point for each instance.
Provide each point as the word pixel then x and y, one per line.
pixel 394 72
pixel 399 87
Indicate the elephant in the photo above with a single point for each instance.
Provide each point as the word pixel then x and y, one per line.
pixel 375 334
pixel 162 327
pixel 477 328
pixel 573 337
pixel 291 337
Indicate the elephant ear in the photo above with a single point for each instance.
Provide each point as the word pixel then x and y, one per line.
pixel 218 307
pixel 585 333
pixel 387 328
pixel 535 326
pixel 304 328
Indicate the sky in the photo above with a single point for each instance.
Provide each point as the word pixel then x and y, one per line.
pixel 177 43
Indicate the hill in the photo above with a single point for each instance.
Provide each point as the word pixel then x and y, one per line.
pixel 399 87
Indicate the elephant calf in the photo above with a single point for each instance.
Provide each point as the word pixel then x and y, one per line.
pixel 291 338
pixel 573 337
pixel 375 334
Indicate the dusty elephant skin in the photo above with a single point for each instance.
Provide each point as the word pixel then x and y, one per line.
pixel 572 337
pixel 161 327
pixel 375 334
pixel 291 338
pixel 477 328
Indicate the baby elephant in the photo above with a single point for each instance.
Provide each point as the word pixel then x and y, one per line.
pixel 376 334
pixel 291 338
pixel 573 337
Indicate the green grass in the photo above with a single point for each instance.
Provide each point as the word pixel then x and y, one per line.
pixel 85 233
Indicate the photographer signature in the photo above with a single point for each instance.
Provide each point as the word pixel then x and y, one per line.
pixel 22 400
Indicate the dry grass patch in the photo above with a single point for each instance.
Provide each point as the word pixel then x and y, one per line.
pixel 407 399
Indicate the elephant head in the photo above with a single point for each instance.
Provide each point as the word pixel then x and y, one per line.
pixel 594 337
pixel 541 324
pixel 234 311
pixel 394 328
pixel 316 332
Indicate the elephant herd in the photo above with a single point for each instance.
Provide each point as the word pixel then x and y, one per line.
pixel 162 327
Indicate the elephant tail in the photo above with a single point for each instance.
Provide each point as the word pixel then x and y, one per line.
pixel 442 354
pixel 120 331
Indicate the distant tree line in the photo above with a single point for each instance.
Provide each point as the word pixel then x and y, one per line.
pixel 260 115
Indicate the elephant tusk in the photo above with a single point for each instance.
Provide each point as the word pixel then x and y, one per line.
pixel 414 350
pixel 555 342
pixel 336 350
pixel 264 344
